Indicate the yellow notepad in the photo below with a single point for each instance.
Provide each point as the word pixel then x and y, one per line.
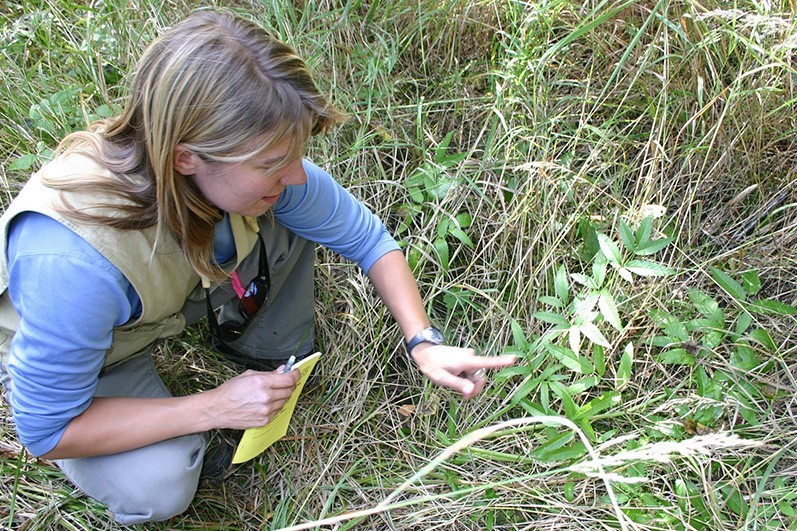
pixel 255 440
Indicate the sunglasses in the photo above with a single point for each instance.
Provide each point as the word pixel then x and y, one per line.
pixel 251 301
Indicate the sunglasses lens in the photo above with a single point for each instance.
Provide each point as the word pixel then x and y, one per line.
pixel 254 298
pixel 232 330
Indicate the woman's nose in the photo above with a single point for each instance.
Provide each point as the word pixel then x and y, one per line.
pixel 294 174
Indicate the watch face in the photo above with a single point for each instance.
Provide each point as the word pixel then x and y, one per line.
pixel 433 335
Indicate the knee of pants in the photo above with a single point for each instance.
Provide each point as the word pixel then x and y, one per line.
pixel 156 495
pixel 149 484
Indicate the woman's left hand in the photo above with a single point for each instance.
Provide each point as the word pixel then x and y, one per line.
pixel 459 369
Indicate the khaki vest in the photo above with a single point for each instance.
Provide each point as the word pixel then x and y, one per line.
pixel 157 270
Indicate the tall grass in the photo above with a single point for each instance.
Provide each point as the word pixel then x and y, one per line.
pixel 498 140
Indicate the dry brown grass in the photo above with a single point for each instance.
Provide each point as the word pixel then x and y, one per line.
pixel 570 116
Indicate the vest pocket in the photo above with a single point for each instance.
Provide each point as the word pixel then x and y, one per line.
pixel 128 341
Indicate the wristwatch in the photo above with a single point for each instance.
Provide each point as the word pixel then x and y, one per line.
pixel 427 335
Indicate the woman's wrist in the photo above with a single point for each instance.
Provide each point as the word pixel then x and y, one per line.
pixel 427 336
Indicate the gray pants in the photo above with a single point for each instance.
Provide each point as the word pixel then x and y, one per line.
pixel 147 484
pixel 159 481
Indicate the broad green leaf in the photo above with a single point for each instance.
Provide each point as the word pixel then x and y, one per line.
pixel 771 306
pixel 525 389
pixel 567 401
pixel 626 364
pixel 568 453
pixel 442 147
pixel 708 308
pixel 584 280
pixel 599 359
pixel 627 236
pixel 510 372
pixel 643 232
pixel 554 443
pixel 25 162
pixel 442 227
pixel 681 490
pixel 464 220
pixel 751 282
pixel 106 111
pixel 584 310
pixel 625 274
pixel 551 301
pixel 570 359
pixel 416 178
pixel 670 325
pixel 662 341
pixel 652 247
pixel 735 501
pixel 441 246
pixel 545 397
pixel 747 410
pixel 46 154
pixel 512 350
pixel 574 339
pixel 609 249
pixel 533 409
pixel 414 257
pixel 552 335
pixel 744 357
pixel 743 323
pixel 560 284
pixel 608 308
pixel 546 374
pixel 763 338
pixel 569 491
pixel 550 317
pixel 459 234
pixel 581 385
pixel 518 335
pixel 676 356
pixel 599 270
pixel 706 386
pixel 416 194
pixel 713 337
pixel 596 405
pixel 437 184
pixel 586 427
pixel 646 268
pixel 726 282
pixel 594 334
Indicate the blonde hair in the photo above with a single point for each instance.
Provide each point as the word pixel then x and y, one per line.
pixel 222 87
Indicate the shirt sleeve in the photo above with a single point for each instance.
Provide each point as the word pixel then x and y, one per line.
pixel 321 210
pixel 69 298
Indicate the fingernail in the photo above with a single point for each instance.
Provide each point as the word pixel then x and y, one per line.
pixel 468 388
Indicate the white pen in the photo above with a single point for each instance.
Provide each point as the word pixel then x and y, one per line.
pixel 289 364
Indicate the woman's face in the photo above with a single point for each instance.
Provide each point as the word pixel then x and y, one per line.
pixel 249 188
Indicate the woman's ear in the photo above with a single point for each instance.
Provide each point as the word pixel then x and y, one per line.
pixel 185 161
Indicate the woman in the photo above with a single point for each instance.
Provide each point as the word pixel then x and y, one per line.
pixel 196 197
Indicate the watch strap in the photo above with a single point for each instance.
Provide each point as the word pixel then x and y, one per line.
pixel 427 335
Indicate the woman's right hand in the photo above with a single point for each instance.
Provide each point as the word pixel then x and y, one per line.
pixel 116 424
pixel 252 398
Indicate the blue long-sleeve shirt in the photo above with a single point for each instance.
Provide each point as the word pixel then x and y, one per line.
pixel 69 298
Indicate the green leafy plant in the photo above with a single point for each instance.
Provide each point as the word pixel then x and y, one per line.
pixel 568 360
pixel 428 186
pixel 637 243
pixel 704 332
pixel 568 113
